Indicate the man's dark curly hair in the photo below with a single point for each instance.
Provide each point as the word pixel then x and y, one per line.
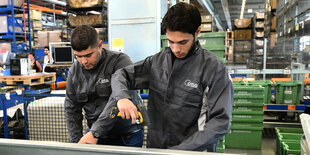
pixel 84 36
pixel 182 17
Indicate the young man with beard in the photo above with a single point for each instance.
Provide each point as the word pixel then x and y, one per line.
pixel 89 88
pixel 190 90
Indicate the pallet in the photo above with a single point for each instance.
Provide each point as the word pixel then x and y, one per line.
pixel 33 79
pixel 229 35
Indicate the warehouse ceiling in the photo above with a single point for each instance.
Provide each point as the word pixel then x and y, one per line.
pixel 215 7
pixel 232 9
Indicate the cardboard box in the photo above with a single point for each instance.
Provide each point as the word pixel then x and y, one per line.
pixel 37 25
pixel 35 15
pixel 259 15
pixel 259 34
pixel 243 23
pixel 242 46
pixel 259 42
pixel 85 20
pixel 273 4
pixel 84 3
pixel 259 25
pixel 243 34
pixel 206 27
pixel 46 37
pixel 273 23
pixel 16 2
pixel 206 19
pixel 260 51
pixel 307 48
pixel 4 25
pixel 241 58
pixel 273 39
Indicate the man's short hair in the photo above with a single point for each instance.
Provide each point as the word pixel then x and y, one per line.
pixel 182 17
pixel 83 37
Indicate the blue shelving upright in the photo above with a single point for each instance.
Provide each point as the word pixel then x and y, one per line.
pixel 10 10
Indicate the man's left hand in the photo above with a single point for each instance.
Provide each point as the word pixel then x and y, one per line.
pixel 88 139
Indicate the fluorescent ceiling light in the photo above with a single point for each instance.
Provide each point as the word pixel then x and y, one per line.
pixel 242 9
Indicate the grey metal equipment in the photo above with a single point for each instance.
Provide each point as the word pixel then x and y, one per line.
pixel 25 147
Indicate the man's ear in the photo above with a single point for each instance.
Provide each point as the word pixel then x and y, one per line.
pixel 198 31
pixel 100 44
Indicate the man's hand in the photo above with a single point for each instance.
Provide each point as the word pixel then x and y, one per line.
pixel 88 139
pixel 128 110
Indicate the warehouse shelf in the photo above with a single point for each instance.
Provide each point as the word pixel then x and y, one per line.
pixel 95 8
pixel 267 71
pixel 284 107
pixel 14 22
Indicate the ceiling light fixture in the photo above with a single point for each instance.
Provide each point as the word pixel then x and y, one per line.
pixel 242 9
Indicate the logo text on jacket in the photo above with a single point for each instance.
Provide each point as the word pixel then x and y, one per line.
pixel 102 81
pixel 191 84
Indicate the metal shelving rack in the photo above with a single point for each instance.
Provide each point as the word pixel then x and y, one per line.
pixel 10 10
pixel 84 10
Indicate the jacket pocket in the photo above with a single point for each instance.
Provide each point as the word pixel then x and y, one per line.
pixel 82 97
pixel 103 90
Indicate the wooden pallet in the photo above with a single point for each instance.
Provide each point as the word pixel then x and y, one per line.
pixel 229 35
pixel 32 79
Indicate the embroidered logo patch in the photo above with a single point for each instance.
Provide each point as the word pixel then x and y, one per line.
pixel 102 81
pixel 191 84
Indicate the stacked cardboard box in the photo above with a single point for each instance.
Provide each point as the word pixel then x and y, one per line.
pixel 206 21
pixel 84 3
pixel 46 37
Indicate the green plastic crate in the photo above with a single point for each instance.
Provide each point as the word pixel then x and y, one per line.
pixel 236 104
pixel 164 41
pixel 213 38
pixel 248 99
pixel 218 50
pixel 249 90
pixel 240 138
pixel 238 82
pixel 221 147
pixel 247 125
pixel 291 148
pixel 248 108
pixel 267 84
pixel 286 137
pixel 288 130
pixel 247 116
pixel 288 92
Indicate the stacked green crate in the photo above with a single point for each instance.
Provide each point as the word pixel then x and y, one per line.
pixel 247 117
pixel 221 146
pixel 164 42
pixel 214 42
pixel 288 139
pixel 236 83
pixel 288 92
pixel 267 84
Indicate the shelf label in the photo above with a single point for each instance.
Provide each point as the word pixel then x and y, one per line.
pixel 231 71
pixel 118 44
pixel 291 107
pixel 256 71
pixel 287 71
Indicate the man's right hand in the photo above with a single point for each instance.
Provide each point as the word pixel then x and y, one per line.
pixel 128 110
